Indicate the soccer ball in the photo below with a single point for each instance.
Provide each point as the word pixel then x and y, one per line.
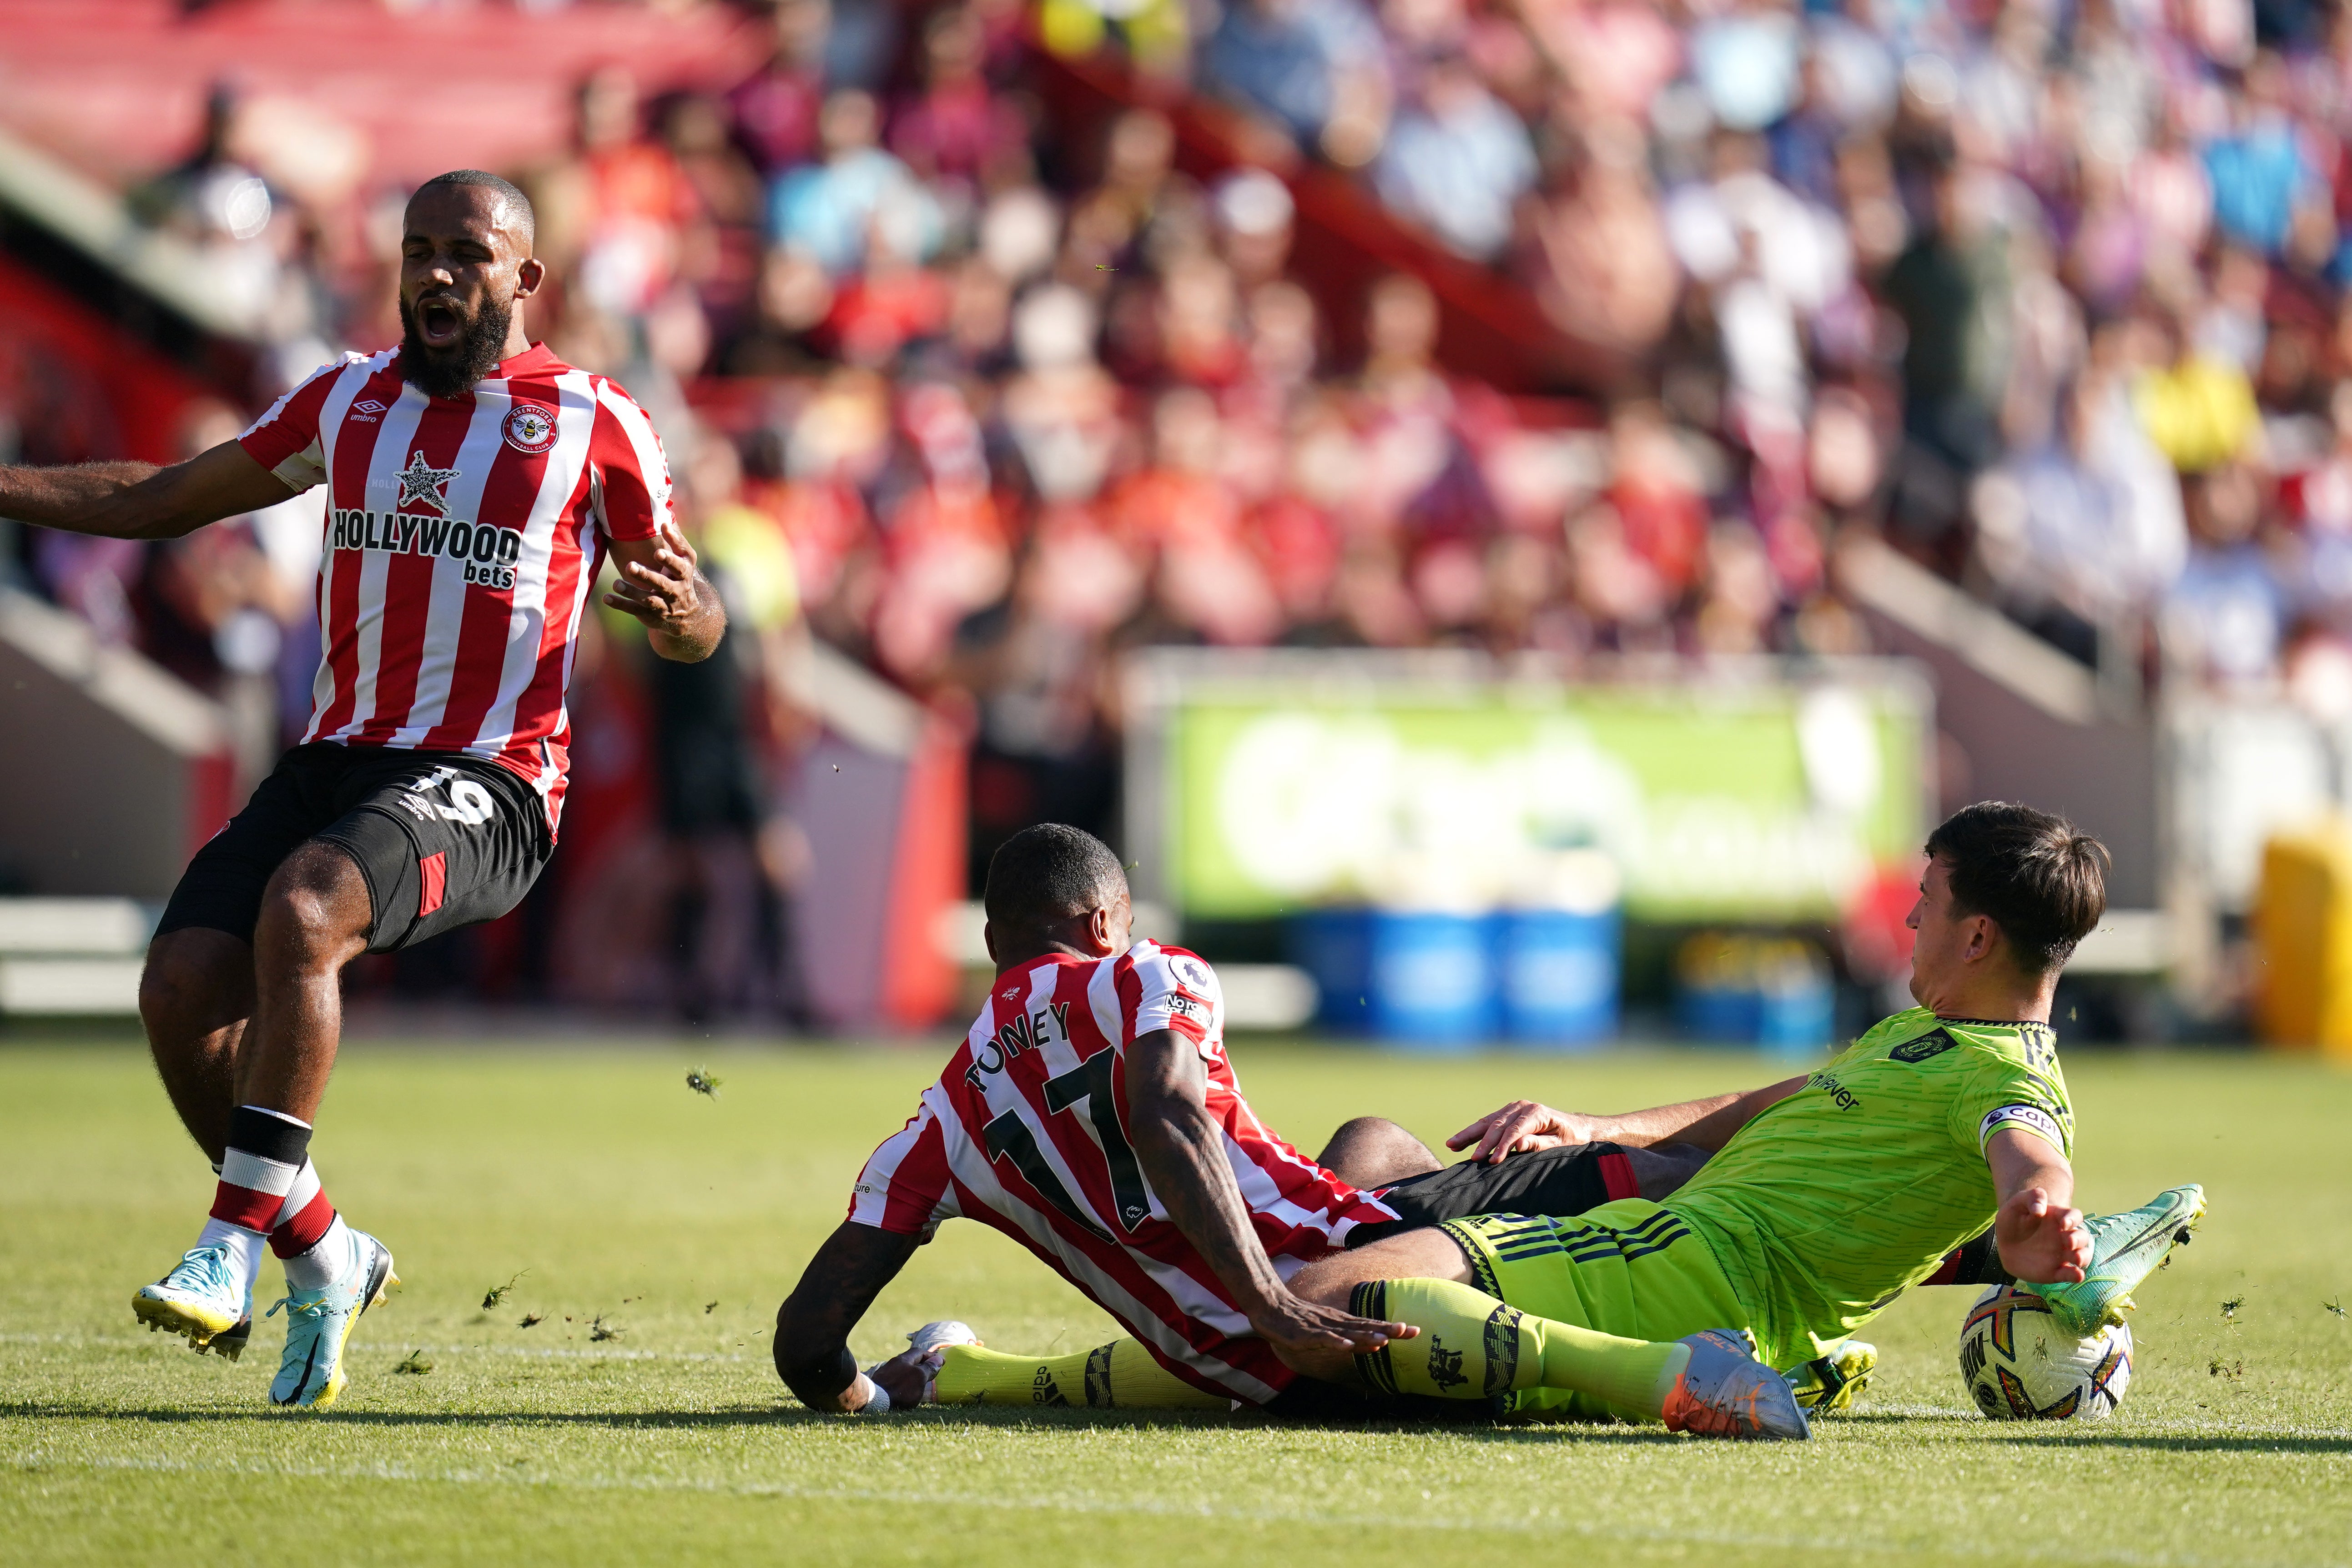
pixel 2020 1365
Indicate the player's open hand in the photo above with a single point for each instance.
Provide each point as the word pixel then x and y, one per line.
pixel 1521 1124
pixel 2042 1242
pixel 1297 1327
pixel 660 588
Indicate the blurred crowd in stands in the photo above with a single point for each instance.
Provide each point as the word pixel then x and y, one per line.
pixel 2046 294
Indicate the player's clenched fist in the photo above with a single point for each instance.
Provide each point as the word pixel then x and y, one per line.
pixel 2041 1242
pixel 657 583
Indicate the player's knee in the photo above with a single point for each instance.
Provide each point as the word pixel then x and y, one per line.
pixel 782 1343
pixel 1372 1150
pixel 1367 1129
pixel 195 981
pixel 315 907
pixel 805 1350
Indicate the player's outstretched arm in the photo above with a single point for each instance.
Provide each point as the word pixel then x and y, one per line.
pixel 813 1326
pixel 1182 1152
pixel 139 500
pixel 2040 1233
pixel 1709 1123
pixel 659 584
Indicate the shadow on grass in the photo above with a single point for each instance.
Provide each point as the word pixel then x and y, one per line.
pixel 795 1417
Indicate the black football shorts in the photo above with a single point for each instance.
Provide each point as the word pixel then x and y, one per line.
pixel 442 840
pixel 1562 1182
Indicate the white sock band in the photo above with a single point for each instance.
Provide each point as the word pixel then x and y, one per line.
pixel 297 1197
pixel 254 1173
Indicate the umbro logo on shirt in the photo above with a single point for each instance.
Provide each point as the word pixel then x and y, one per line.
pixel 367 411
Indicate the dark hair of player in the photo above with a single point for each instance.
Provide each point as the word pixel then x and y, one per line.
pixel 2041 879
pixel 508 191
pixel 1048 874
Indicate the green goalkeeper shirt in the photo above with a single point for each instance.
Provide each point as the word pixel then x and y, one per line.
pixel 1832 1203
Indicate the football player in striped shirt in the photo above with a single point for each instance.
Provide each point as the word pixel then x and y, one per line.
pixel 1093 1115
pixel 475 485
pixel 1831 1195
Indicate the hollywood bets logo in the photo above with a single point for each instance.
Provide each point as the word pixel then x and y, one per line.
pixel 419 525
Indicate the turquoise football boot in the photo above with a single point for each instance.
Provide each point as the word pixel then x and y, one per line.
pixel 319 1325
pixel 2125 1249
pixel 201 1300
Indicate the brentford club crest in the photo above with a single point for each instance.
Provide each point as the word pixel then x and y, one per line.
pixel 530 428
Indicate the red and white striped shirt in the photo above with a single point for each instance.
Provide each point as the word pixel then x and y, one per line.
pixel 463 535
pixel 1026 1130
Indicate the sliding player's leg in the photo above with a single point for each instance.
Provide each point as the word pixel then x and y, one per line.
pixel 2125 1249
pixel 945 1364
pixel 1511 1313
pixel 1365 1151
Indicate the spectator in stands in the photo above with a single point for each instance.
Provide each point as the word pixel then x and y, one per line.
pixel 620 204
pixel 957 136
pixel 2258 172
pixel 1841 263
pixel 2085 529
pixel 1746 60
pixel 1944 288
pixel 830 211
pixel 775 107
pixel 2226 616
pixel 1597 249
pixel 1314 68
pixel 1255 212
pixel 719 242
pixel 216 605
pixel 1455 161
pixel 2200 409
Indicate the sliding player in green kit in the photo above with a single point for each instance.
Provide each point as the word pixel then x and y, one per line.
pixel 1831 1196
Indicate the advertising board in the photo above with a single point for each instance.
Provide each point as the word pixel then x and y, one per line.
pixel 1264 783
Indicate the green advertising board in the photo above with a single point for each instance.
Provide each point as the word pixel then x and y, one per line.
pixel 1753 799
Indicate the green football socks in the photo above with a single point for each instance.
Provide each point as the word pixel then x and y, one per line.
pixel 1471 1346
pixel 1118 1376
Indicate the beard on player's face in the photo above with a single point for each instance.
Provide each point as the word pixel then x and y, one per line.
pixel 470 348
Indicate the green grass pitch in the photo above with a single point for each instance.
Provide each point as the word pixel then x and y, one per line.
pixel 680 1222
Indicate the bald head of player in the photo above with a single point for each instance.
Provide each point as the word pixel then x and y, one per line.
pixel 465 267
pixel 1054 889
